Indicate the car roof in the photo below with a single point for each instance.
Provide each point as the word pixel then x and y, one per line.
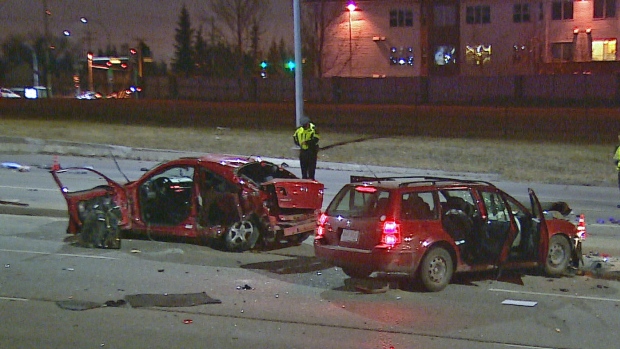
pixel 426 182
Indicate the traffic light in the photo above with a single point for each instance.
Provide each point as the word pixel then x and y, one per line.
pixel 133 51
pixel 263 66
pixel 290 65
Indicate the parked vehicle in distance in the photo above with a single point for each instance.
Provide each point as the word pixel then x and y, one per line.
pixel 234 200
pixel 431 227
pixel 6 93
pixel 89 95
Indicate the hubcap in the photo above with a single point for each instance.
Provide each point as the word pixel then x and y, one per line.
pixel 437 269
pixel 556 254
pixel 241 232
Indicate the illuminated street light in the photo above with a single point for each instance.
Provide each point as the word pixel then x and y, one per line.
pixel 351 7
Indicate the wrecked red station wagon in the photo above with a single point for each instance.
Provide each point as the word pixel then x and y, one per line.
pixel 432 227
pixel 236 200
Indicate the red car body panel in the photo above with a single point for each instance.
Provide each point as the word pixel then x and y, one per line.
pixel 353 240
pixel 203 197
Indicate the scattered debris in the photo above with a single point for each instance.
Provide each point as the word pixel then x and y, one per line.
pixel 135 250
pixel 77 305
pixel 118 303
pixel 14 203
pixel 16 166
pixel 170 300
pixel 369 290
pixel 519 303
pixel 188 321
pixel 245 287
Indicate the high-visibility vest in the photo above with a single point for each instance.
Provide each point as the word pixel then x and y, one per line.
pixel 306 138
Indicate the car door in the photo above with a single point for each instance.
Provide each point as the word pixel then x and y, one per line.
pixel 165 201
pixel 85 189
pixel 499 228
pixel 542 231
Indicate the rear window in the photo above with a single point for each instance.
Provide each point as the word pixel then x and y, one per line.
pixel 359 201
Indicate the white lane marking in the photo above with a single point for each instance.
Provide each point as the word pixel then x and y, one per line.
pixel 59 254
pixel 556 295
pixel 14 299
pixel 28 188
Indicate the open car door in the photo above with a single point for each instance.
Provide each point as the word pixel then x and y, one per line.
pixel 97 206
pixel 543 233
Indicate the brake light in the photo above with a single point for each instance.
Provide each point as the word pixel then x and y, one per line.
pixel 391 233
pixel 365 189
pixel 320 230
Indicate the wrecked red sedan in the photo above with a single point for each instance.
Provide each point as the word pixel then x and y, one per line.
pixel 233 200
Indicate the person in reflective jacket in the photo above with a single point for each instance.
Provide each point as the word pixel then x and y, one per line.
pixel 307 138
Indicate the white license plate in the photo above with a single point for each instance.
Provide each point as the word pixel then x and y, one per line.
pixel 349 235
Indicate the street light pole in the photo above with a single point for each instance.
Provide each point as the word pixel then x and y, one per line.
pixel 89 57
pixel 299 93
pixel 351 7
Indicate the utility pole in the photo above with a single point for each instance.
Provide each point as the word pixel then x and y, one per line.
pixel 47 46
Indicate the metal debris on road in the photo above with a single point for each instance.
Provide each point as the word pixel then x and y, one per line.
pixel 519 303
pixel 15 166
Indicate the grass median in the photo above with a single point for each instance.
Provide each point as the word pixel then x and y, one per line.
pixel 522 161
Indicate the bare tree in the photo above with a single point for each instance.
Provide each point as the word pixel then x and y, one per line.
pixel 242 18
pixel 318 17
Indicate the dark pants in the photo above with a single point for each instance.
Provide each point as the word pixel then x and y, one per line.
pixel 307 160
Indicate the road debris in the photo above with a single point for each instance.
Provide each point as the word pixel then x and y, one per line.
pixel 519 303
pixel 15 166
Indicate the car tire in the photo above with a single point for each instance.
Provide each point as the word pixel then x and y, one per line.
pixel 436 269
pixel 241 236
pixel 558 257
pixel 357 272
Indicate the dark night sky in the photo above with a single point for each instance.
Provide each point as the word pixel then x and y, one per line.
pixel 154 21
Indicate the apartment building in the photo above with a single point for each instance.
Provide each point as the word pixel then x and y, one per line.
pixel 406 38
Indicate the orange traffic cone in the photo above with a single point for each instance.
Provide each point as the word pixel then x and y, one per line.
pixel 55 165
pixel 581 227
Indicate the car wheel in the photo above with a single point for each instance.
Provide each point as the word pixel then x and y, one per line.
pixel 241 236
pixel 357 272
pixel 558 256
pixel 436 269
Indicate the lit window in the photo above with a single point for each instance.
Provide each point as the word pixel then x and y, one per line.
pixel 478 14
pixel 402 56
pixel 604 8
pixel 478 54
pixel 401 18
pixel 561 10
pixel 562 51
pixel 521 13
pixel 604 50
pixel 444 55
pixel 519 53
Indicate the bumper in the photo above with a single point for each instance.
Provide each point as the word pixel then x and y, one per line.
pixel 288 228
pixel 378 259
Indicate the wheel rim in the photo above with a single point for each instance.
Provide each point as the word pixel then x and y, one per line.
pixel 437 269
pixel 240 234
pixel 556 254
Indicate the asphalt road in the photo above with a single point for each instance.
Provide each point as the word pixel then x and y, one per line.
pixel 282 298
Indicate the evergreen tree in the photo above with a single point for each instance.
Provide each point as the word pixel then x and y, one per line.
pixel 183 61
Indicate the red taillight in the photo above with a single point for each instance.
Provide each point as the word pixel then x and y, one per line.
pixel 320 230
pixel 391 233
pixel 322 219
